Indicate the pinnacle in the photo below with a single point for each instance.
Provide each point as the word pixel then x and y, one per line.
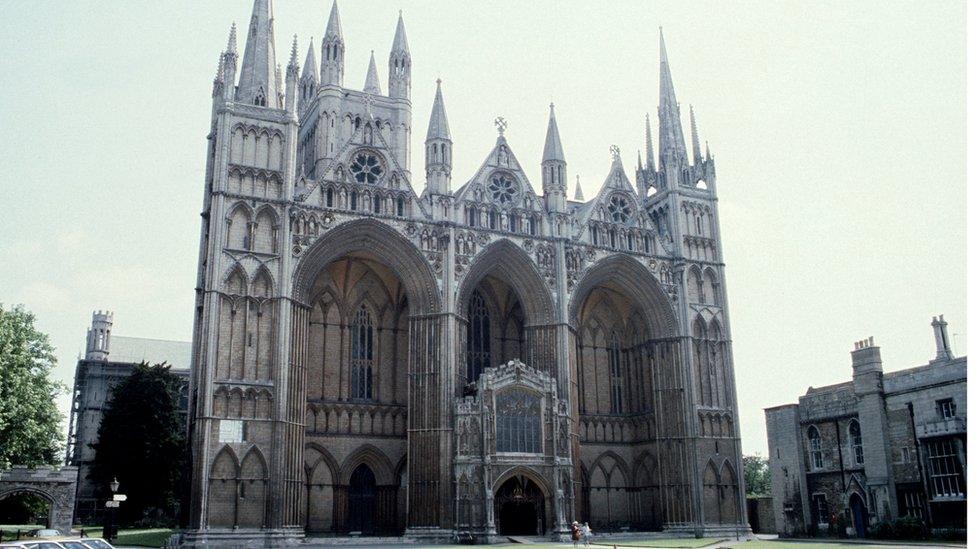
pixel 554 147
pixel 372 85
pixel 232 39
pixel 310 65
pixel 334 28
pixel 293 61
pixel 438 127
pixel 400 38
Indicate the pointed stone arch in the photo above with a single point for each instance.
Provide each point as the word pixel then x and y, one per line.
pixel 528 472
pixel 380 241
pixel 510 263
pixel 372 456
pixel 635 281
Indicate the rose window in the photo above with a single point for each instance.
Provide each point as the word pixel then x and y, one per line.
pixel 502 189
pixel 366 168
pixel 619 209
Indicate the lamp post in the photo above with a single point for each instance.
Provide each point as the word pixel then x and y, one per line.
pixel 110 532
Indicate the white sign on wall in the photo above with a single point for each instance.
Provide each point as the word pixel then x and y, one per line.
pixel 231 430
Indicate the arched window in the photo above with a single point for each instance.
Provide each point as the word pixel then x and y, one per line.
pixel 512 223
pixel 854 430
pixel 616 375
pixel 594 236
pixel 362 355
pixel 532 228
pixel 399 206
pixel 376 204
pixel 473 217
pixel 353 200
pixel 816 452
pixel 329 197
pixel 479 336
pixel 518 424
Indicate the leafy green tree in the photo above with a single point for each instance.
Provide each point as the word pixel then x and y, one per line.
pixel 30 424
pixel 142 441
pixel 756 471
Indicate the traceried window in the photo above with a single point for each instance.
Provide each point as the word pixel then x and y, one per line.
pixel 816 452
pixel 366 167
pixel 619 209
pixel 945 472
pixel 502 188
pixel 518 426
pixel 854 430
pixel 362 355
pixel 616 375
pixel 479 336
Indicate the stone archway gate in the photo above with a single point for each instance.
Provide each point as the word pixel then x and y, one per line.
pixel 56 485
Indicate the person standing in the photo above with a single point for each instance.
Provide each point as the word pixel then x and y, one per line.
pixel 587 534
pixel 576 533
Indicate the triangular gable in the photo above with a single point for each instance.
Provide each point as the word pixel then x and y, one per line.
pixel 616 181
pixel 500 158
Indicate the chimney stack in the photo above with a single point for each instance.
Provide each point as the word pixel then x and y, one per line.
pixel 942 349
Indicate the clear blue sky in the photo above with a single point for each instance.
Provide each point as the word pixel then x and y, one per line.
pixel 838 130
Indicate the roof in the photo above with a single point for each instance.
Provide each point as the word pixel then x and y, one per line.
pixel 138 349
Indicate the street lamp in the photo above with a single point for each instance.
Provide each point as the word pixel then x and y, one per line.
pixel 110 533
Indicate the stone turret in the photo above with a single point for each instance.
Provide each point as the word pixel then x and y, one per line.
pixel 99 336
pixel 333 50
pixel 554 167
pixel 439 147
pixel 399 87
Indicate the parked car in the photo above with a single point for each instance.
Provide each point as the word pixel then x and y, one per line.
pixel 11 545
pixel 43 544
pixel 96 543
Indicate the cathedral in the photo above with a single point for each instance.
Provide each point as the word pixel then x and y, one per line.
pixel 473 361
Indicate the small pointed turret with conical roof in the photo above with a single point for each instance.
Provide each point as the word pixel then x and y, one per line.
pixel 259 82
pixel 399 81
pixel 553 167
pixel 695 147
pixel 578 196
pixel 372 85
pixel 309 83
pixel 333 50
pixel 439 147
pixel 673 155
pixel 227 70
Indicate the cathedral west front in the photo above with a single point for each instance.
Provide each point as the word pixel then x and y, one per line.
pixel 475 360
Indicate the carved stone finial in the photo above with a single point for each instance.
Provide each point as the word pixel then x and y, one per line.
pixel 501 124
pixel 614 152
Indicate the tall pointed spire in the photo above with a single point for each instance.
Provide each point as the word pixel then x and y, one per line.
pixel 309 70
pixel 438 127
pixel 648 145
pixel 259 84
pixel 333 50
pixel 399 77
pixel 672 145
pixel 372 85
pixel 695 147
pixel 578 196
pixel 440 148
pixel 554 146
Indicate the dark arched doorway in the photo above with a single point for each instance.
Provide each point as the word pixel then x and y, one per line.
pixel 859 516
pixel 520 508
pixel 362 500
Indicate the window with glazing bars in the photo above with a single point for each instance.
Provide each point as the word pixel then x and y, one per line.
pixel 945 472
pixel 518 423
pixel 362 355
pixel 479 336
pixel 616 375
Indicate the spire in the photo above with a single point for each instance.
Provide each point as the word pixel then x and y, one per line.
pixel 333 50
pixel 309 70
pixel 232 39
pixel 399 73
pixel 400 38
pixel 258 84
pixel 640 162
pixel 648 145
pixel 578 196
pixel 438 127
pixel 293 60
pixel 372 85
pixel 334 28
pixel 554 147
pixel 708 153
pixel 695 147
pixel 672 144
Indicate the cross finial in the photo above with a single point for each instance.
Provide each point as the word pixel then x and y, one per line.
pixel 501 124
pixel 614 152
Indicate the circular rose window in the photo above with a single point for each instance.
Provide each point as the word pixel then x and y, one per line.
pixel 502 189
pixel 619 209
pixel 366 167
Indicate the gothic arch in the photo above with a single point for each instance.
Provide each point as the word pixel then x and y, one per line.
pixel 262 284
pixel 637 282
pixel 511 264
pixel 376 460
pixel 324 457
pixel 527 472
pixel 618 463
pixel 378 239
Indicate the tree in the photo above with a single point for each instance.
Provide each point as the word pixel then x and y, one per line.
pixel 142 442
pixel 756 469
pixel 30 424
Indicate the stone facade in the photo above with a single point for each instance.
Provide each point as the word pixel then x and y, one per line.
pixel 881 446
pixel 108 360
pixel 349 332
pixel 54 485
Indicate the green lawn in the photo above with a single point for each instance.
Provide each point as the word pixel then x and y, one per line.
pixel 152 537
pixel 764 544
pixel 666 543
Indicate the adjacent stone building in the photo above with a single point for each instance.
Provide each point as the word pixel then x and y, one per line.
pixel 462 362
pixel 108 360
pixel 878 447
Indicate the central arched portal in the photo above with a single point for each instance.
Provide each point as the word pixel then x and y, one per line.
pixel 362 500
pixel 520 507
